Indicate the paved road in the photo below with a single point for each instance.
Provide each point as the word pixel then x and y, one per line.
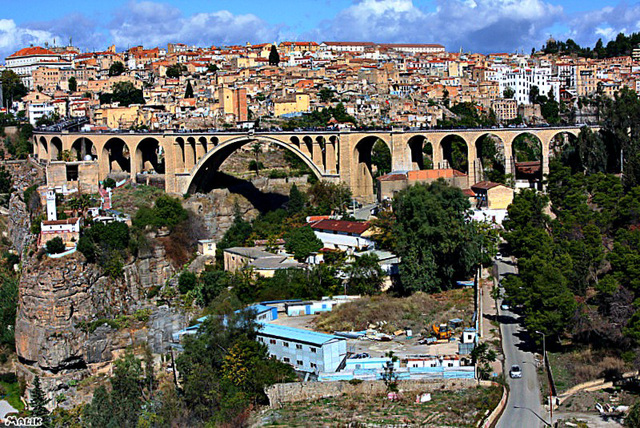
pixel 524 408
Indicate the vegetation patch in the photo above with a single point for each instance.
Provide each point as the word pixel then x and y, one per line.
pixel 417 312
pixel 464 408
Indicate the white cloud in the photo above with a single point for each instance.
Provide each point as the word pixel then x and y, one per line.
pixel 606 23
pixel 155 24
pixel 14 37
pixel 478 25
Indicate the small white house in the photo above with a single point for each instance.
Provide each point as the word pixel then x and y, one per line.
pixel 207 247
pixel 343 235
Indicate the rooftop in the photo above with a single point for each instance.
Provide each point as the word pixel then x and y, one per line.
pixel 341 226
pixel 297 334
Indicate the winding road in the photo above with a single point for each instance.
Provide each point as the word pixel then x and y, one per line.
pixel 524 408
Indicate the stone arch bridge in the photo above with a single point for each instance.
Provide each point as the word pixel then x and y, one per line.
pixel 188 160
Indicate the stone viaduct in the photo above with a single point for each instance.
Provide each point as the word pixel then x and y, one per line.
pixel 187 161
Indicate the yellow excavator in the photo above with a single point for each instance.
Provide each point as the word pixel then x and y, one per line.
pixel 442 331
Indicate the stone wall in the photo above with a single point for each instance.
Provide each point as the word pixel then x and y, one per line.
pixel 301 391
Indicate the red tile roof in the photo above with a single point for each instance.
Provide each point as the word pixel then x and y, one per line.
pixel 36 50
pixel 341 226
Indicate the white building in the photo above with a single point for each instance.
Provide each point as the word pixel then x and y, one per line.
pixel 521 80
pixel 37 110
pixel 27 60
pixel 306 351
pixel 343 235
pixel 414 48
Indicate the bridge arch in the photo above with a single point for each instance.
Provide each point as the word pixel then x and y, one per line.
pixel 83 147
pixel 55 148
pixel 455 152
pixel 116 157
pixel 43 148
pixel 491 158
pixel 204 171
pixel 363 175
pixel 421 151
pixel 150 156
pixel 530 154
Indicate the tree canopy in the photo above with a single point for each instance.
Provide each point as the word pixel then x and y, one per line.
pixel 434 239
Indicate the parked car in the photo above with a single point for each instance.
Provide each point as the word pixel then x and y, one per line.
pixel 498 256
pixel 515 372
pixel 505 306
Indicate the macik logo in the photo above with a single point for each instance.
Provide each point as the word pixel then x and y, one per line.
pixel 23 422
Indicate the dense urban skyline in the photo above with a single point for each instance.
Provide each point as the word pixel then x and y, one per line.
pixel 475 25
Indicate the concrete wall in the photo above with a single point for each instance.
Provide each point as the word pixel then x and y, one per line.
pixel 300 391
pixel 499 198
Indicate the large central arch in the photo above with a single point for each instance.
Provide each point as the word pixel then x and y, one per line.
pixel 363 174
pixel 204 171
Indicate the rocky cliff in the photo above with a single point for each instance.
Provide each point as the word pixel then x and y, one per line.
pixel 73 321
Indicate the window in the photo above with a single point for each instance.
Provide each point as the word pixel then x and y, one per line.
pixel 300 363
pixel 298 346
pixel 272 341
pixel 313 350
pixel 313 366
pixel 285 344
pixel 286 359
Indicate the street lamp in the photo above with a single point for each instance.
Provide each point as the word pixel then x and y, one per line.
pixel 544 363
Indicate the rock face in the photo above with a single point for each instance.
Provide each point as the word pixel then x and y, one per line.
pixel 59 299
pixel 18 224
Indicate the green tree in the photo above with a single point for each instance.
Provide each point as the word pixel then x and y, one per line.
pixel 482 357
pixel 116 69
pixel 189 92
pixel 632 420
pixel 126 94
pixel 389 374
pixel 301 242
pixel 237 234
pixel 296 202
pixel 8 308
pixel 126 390
pixel 534 94
pixel 55 246
pixel 381 157
pixel 187 281
pixel 434 239
pixel 12 87
pixel 274 56
pixel 327 198
pixel 39 402
pixel 212 283
pixel 325 95
pixel 365 276
pixel 73 84
pixel 174 71
pixel 508 93
pixel 98 413
pixel 256 149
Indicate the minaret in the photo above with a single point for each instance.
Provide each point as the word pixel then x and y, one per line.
pixel 51 205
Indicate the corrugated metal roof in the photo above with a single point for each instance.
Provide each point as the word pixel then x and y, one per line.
pixel 297 334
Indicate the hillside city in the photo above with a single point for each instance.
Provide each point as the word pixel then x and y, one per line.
pixel 323 233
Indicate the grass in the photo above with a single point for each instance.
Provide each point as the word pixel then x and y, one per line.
pixel 417 312
pixel 581 365
pixel 464 408
pixel 13 395
pixel 128 199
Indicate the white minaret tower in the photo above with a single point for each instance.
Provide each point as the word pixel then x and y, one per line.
pixel 51 205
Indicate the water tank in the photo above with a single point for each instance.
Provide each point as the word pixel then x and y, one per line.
pixel 88 158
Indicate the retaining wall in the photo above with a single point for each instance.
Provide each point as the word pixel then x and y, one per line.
pixel 301 391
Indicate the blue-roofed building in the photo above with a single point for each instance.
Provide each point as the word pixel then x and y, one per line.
pixel 306 351
pixel 264 313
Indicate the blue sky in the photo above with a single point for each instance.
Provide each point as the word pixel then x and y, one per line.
pixel 473 25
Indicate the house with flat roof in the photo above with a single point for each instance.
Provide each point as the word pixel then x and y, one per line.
pixel 305 350
pixel 262 262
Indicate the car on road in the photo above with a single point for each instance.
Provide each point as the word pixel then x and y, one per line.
pixel 515 372
pixel 498 256
pixel 505 306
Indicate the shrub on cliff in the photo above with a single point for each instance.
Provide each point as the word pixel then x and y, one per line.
pixel 166 212
pixel 55 246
